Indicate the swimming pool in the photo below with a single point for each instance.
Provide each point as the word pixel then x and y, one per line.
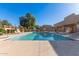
pixel 41 36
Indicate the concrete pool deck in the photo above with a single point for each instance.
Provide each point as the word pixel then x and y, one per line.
pixel 39 48
pixel 26 48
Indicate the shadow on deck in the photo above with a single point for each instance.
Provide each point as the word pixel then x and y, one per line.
pixel 65 48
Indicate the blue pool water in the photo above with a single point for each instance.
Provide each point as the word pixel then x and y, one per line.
pixel 41 36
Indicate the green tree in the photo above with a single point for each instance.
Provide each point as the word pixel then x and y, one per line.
pixel 37 26
pixel 5 22
pixel 2 23
pixel 27 21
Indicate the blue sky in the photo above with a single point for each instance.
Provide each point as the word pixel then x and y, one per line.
pixel 44 13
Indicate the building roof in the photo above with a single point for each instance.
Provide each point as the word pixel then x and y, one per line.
pixel 59 24
pixel 47 26
pixel 71 19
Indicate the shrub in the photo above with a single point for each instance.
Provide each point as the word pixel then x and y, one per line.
pixel 13 31
pixel 2 31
